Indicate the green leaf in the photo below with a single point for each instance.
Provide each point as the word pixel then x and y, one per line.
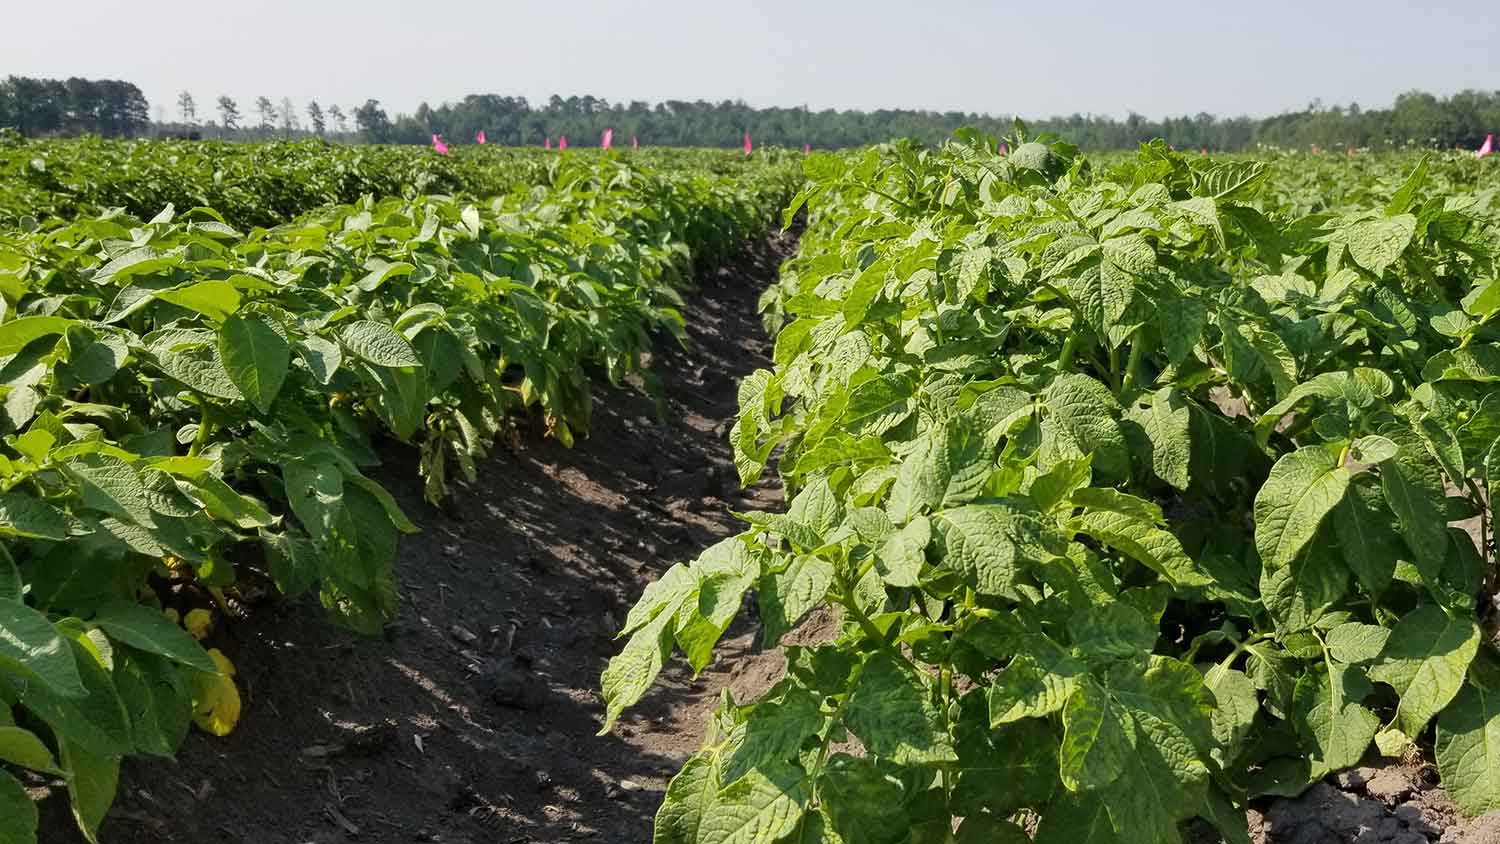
pixel 1235 707
pixel 96 720
pixel 12 588
pixel 1376 244
pixel 1468 741
pixel 759 808
pixel 111 485
pixel 315 492
pixel 1479 362
pixel 888 711
pixel 631 672
pixel 788 595
pixel 1302 488
pixel 222 502
pixel 380 272
pixel 879 405
pixel 1180 320
pixel 1097 739
pixel 1103 292
pixel 1353 642
pixel 986 544
pixel 1112 631
pixel 214 299
pixel 18 333
pixel 774 732
pixel 323 357
pixel 1162 785
pixel 1083 413
pixel 1425 660
pixel 900 558
pixel 1369 544
pixel 22 747
pixel 862 803
pixel 156 698
pixel 378 344
pixel 25 516
pixel 1406 196
pixel 146 629
pixel 18 814
pixel 1033 685
pixel 256 357
pixel 1233 179
pixel 31 646
pixel 1297 594
pixel 91 786
pixel 1151 546
pixel 1167 421
pixel 1226 818
pixel 1341 728
pixel 948 467
pixel 199 368
pixel 1076 819
pixel 1414 490
pixel 689 799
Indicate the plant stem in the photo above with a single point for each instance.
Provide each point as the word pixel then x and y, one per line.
pixel 1132 363
pixel 1070 347
pixel 201 438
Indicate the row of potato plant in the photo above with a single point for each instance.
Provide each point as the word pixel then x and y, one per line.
pixel 266 184
pixel 1138 492
pixel 185 407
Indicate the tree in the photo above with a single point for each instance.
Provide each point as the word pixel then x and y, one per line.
pixel 267 114
pixel 187 109
pixel 372 121
pixel 288 113
pixel 315 116
pixel 340 122
pixel 229 113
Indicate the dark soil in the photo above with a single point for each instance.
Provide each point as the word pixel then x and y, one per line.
pixel 473 720
pixel 1391 803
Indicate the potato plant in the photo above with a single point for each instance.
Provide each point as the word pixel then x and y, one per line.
pixel 1140 487
pixel 186 406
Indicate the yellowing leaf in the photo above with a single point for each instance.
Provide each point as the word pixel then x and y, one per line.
pixel 200 623
pixel 216 703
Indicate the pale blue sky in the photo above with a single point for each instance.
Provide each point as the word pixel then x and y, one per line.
pixel 1035 58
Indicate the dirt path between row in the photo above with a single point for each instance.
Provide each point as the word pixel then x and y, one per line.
pixel 473 720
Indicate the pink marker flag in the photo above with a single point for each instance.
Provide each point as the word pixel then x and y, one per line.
pixel 634 143
pixel 437 144
pixel 479 138
pixel 1487 148
pixel 562 141
pixel 807 149
pixel 609 138
pixel 548 145
pixel 1004 150
pixel 747 142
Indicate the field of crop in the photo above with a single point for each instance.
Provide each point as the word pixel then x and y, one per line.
pixel 189 405
pixel 1144 488
pixel 1131 498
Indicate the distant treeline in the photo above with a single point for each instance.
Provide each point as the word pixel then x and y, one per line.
pixel 39 107
pixel 108 107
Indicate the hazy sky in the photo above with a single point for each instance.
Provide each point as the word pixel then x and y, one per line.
pixel 1039 57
